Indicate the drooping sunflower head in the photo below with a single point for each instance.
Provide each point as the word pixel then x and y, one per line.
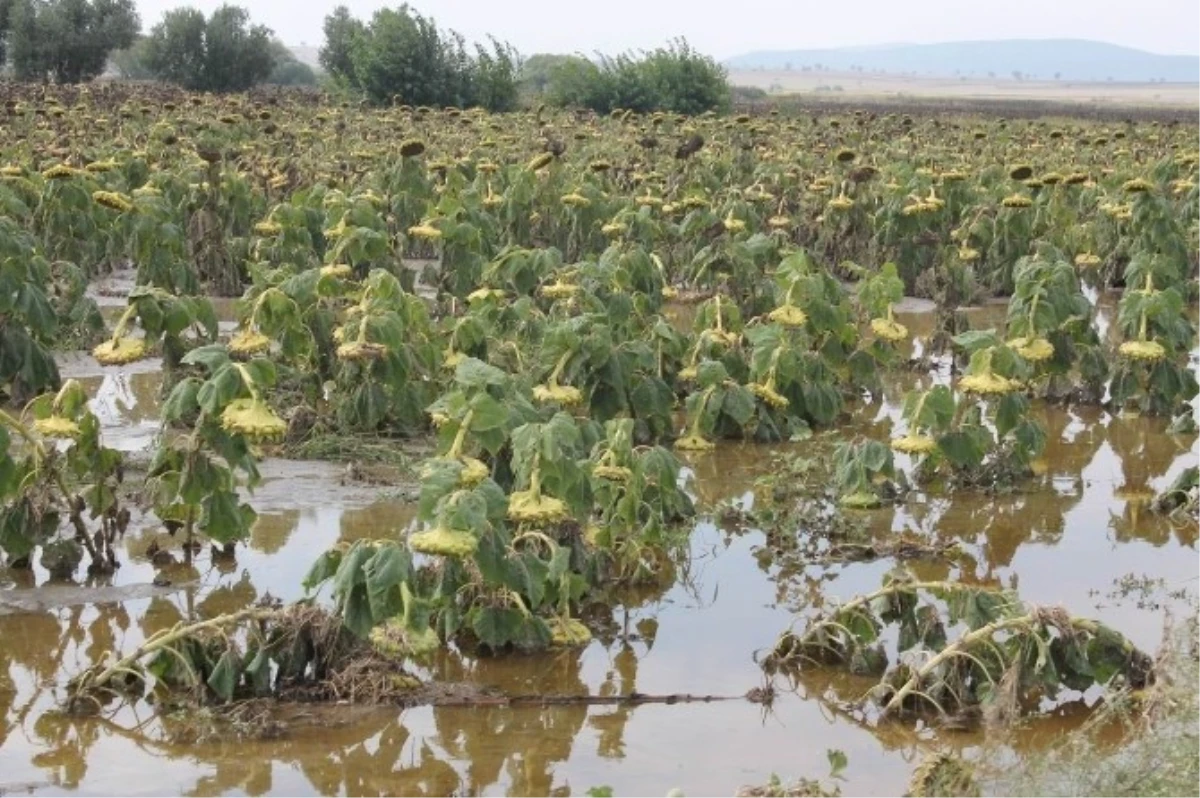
pixel 575 200
pixel 524 506
pixel 248 342
pixel 559 289
pixel 565 632
pixel 914 444
pixel 360 351
pixel 485 294
pixel 889 330
pixel 1021 172
pixel 56 427
pixel 1016 201
pixel 1137 185
pixel 565 395
pixel 60 172
pixel 411 148
pixel 788 316
pixel 539 162
pixel 611 473
pixel 120 351
pixel 986 383
pixel 444 542
pixel 768 394
pixel 113 200
pixel 694 443
pixel 425 232
pixel 340 271
pixel 1147 351
pixel 254 419
pixel 1035 350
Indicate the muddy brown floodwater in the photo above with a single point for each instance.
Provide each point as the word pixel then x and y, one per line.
pixel 1065 538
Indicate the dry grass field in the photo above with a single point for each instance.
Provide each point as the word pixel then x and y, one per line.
pixel 832 85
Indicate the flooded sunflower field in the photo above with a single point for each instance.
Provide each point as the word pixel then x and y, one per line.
pixel 372 451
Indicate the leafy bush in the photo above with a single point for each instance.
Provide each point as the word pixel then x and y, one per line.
pixel 672 78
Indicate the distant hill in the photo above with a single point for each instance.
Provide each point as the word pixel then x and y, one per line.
pixel 1045 59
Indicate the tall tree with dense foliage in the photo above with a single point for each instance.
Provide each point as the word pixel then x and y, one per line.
pixel 5 15
pixel 66 41
pixel 222 53
pixel 402 56
pixel 342 33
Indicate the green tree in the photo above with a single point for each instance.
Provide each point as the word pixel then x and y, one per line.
pixel 342 34
pixel 5 15
pixel 223 53
pixel 537 72
pixel 67 41
pixel 289 70
pixel 402 56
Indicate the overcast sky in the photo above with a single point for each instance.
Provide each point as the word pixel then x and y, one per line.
pixel 733 27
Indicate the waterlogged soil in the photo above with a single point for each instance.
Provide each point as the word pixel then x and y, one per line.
pixel 1067 537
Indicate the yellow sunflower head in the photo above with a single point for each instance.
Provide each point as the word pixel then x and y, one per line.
pixel 914 444
pixel 788 316
pixel 249 342
pixel 1147 351
pixel 559 290
pixel 611 473
pixel 425 232
pixel 694 443
pixel 524 506
pixel 565 395
pixel 986 383
pixel 1035 350
pixel 1137 185
pixel 361 351
pixel 566 632
pixel 254 419
pixel 889 330
pixel 56 427
pixel 444 542
pixel 113 200
pixel 120 351
pixel 341 271
pixel 768 394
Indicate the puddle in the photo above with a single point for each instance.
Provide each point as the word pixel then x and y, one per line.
pixel 1064 539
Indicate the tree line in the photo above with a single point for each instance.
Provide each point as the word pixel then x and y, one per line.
pixel 398 56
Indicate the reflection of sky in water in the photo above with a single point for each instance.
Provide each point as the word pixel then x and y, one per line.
pixel 1064 539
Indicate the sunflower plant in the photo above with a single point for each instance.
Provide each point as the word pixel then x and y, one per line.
pixel 1152 373
pixel 29 325
pixel 59 486
pixel 195 477
pixel 1050 326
